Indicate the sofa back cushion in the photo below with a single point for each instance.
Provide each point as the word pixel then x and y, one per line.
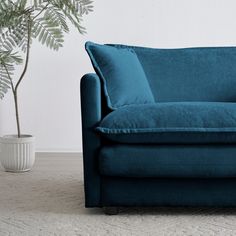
pixel 190 74
pixel 124 80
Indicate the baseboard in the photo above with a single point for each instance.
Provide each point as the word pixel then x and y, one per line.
pixel 58 154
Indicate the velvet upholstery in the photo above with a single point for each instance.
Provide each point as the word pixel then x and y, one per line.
pixel 122 75
pixel 194 91
pixel 91 116
pixel 133 192
pixel 168 161
pixel 189 74
pixel 172 122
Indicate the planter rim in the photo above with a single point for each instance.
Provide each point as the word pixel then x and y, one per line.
pixel 13 138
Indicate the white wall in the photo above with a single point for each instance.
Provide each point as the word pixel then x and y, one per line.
pixel 49 96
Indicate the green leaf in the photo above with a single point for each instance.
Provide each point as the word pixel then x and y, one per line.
pixel 48 32
pixel 46 20
pixel 53 14
pixel 7 61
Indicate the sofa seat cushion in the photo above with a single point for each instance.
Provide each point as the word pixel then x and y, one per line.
pixel 172 122
pixel 168 161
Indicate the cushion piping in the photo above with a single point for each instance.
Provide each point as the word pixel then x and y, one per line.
pixel 154 130
pixel 98 71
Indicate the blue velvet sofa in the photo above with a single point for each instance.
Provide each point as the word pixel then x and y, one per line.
pixel 159 126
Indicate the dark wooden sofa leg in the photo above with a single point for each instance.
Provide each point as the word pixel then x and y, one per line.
pixel 111 210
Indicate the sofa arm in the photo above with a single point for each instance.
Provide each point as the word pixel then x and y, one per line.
pixel 90 90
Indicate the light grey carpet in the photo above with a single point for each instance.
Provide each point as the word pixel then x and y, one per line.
pixel 49 201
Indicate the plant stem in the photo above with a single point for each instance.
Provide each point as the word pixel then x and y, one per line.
pixel 45 7
pixel 17 115
pixel 27 56
pixel 21 77
pixel 15 101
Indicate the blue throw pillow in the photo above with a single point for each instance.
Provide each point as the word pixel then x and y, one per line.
pixel 123 77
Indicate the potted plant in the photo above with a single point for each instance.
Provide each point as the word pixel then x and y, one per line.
pixel 21 22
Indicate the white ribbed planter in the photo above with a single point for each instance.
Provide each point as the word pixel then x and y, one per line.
pixel 18 154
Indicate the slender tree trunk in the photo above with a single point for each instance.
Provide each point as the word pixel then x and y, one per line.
pixel 15 90
pixel 17 114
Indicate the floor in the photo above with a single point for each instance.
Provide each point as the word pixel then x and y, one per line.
pixel 49 201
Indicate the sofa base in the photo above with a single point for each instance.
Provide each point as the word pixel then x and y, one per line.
pixel 168 161
pixel 118 192
pixel 111 210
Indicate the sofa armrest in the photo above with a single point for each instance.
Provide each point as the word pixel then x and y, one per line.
pixel 90 90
